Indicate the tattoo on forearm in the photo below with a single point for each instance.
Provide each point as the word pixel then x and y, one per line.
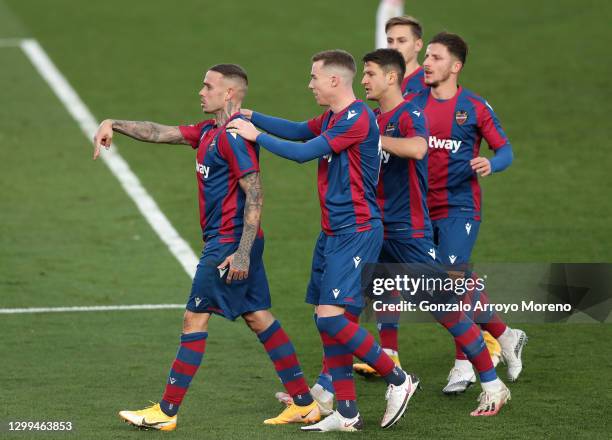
pixel 251 185
pixel 149 132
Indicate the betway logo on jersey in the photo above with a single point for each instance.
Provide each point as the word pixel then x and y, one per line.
pixel 202 169
pixel 446 144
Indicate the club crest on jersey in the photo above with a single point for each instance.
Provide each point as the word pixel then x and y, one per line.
pixel 461 116
pixel 468 228
pixel 389 129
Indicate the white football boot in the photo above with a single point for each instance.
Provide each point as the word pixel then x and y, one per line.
pixel 335 422
pixel 397 400
pixel 512 342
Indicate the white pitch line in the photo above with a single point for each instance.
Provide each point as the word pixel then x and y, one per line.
pixel 90 308
pixel 118 166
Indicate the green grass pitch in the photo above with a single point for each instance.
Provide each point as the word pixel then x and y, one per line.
pixel 70 236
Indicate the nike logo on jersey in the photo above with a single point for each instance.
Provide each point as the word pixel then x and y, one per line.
pixel 432 253
pixel 356 260
pixel 417 113
pixel 336 292
pixel 350 114
pixel 468 228
pixel 452 258
pixel 445 144
pixel 202 169
pixel 222 272
pixel 198 301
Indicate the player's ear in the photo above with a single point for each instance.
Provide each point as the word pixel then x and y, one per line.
pixel 418 45
pixel 456 67
pixel 334 80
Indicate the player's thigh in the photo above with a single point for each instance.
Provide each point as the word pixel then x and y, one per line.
pixel 345 256
pixel 317 270
pixel 456 239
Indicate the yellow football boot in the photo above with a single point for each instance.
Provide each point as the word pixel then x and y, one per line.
pixel 152 417
pixel 296 414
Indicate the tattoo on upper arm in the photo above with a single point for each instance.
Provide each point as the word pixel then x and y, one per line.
pixel 150 132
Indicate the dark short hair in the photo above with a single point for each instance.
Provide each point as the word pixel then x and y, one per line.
pixel 231 71
pixel 337 58
pixel 406 20
pixel 454 43
pixel 388 59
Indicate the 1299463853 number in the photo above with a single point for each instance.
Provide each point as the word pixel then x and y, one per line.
pixel 39 426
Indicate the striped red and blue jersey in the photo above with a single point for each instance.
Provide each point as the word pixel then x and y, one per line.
pixel 413 84
pixel 456 129
pixel 222 159
pixel 347 177
pixel 402 185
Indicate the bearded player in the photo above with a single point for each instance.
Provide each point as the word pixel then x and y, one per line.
pixel 458 121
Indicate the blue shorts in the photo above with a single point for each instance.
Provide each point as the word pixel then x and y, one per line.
pixel 409 250
pixel 455 238
pixel 211 294
pixel 336 267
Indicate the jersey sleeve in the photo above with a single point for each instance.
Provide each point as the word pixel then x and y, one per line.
pixel 351 129
pixel 192 132
pixel 412 123
pixel 490 128
pixel 315 124
pixel 240 154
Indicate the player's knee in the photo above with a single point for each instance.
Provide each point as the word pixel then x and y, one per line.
pixel 258 321
pixel 195 322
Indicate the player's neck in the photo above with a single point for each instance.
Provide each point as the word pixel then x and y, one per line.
pixel 445 90
pixel 223 115
pixel 342 101
pixel 411 67
pixel 390 100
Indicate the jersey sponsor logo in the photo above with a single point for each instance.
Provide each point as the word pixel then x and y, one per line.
pixel 445 144
pixel 222 271
pixel 386 156
pixel 432 253
pixel 461 116
pixel 351 114
pixel 452 258
pixel 468 228
pixel 336 292
pixel 356 260
pixel 198 301
pixel 202 169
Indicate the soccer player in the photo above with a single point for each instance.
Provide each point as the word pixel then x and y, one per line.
pixel 230 278
pixel 405 34
pixel 458 121
pixel 345 140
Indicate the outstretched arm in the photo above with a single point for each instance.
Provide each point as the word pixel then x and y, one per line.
pixel 295 131
pixel 140 130
pixel 239 261
pixel 296 151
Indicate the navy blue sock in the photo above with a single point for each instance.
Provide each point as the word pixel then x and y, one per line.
pixel 396 377
pixel 348 408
